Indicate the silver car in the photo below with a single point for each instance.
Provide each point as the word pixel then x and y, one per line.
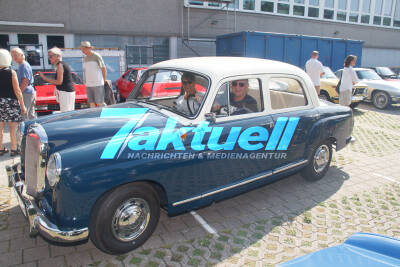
pixel 380 92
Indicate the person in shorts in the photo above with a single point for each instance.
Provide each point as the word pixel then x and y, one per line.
pixel 95 74
pixel 12 106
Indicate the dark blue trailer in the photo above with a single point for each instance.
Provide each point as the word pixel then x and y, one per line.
pixel 294 49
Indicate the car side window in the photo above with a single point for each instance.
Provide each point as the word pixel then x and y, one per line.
pixel 238 97
pixel 286 93
pixel 131 76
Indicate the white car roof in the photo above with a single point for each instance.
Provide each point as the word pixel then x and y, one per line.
pixel 220 67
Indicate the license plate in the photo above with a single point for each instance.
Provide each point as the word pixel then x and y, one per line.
pixel 357 98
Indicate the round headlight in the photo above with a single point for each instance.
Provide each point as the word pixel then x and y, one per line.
pixel 53 170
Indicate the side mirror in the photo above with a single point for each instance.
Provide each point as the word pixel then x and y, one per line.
pixel 211 117
pixel 174 78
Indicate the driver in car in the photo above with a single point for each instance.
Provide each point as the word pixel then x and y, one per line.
pixel 239 97
pixel 190 100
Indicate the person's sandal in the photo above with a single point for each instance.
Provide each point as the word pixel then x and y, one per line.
pixel 3 151
pixel 14 153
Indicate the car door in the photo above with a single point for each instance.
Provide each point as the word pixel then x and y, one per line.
pixel 236 146
pixel 293 117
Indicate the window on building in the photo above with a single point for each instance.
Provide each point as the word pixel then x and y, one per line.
pixel 298 10
pixel 377 20
pixel 329 3
pixel 313 10
pixel 28 39
pixel 387 10
pixel 365 19
pixel 248 4
pixel 341 15
pixel 328 14
pixel 213 4
pixel 4 41
pixel 366 6
pixel 196 3
pixel 342 4
pixel 267 6
pixel 387 21
pixel 30 44
pixel 396 21
pixel 283 8
pixel 54 40
pixel 355 5
pixel 328 11
pixel 353 17
pixel 234 4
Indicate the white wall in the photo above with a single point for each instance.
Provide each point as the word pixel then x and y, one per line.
pixel 380 57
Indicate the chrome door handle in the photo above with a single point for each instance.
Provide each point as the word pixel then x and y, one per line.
pixel 315 116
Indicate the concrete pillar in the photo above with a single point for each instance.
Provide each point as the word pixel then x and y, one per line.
pixel 173 47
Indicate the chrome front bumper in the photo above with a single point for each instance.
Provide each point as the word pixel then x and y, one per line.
pixel 38 222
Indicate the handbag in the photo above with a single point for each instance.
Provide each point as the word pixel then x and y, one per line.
pixel 338 86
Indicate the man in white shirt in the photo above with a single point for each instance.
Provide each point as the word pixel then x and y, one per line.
pixel 95 75
pixel 314 70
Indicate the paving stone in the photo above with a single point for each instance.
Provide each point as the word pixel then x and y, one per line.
pixel 36 253
pixel 53 262
pixel 22 243
pixel 11 258
pixel 78 258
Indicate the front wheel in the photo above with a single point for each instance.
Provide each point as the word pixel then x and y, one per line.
pixel 319 162
pixel 381 100
pixel 124 218
pixel 324 96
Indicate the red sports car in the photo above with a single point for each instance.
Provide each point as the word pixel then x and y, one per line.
pixel 45 98
pixel 128 80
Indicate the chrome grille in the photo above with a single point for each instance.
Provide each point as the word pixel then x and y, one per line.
pixel 34 169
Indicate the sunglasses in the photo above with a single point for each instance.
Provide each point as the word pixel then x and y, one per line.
pixel 187 82
pixel 240 84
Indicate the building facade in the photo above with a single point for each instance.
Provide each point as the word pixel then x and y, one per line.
pixel 152 31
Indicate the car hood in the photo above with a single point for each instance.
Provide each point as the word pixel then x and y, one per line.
pixel 381 84
pixel 89 126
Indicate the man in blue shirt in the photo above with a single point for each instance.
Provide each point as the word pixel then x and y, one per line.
pixel 25 79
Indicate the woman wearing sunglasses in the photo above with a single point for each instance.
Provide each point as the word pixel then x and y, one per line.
pixel 190 100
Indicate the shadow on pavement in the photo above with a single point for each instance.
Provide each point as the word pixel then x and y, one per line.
pixel 393 109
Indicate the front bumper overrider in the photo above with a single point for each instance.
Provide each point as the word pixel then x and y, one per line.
pixel 38 222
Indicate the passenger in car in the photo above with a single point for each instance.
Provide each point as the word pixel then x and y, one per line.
pixel 189 101
pixel 240 99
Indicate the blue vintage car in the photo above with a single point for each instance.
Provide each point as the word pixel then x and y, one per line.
pixel 192 132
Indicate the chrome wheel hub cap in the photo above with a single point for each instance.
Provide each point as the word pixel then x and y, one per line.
pixel 130 219
pixel 321 158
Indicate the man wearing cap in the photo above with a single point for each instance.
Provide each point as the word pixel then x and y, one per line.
pixel 314 70
pixel 95 75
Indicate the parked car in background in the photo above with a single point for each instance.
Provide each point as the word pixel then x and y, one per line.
pixel 109 179
pixel 380 92
pixel 328 92
pixel 386 73
pixel 397 71
pixel 127 81
pixel 45 94
pixel 359 250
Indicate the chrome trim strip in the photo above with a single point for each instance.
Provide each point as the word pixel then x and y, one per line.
pixel 289 166
pixel 258 177
pixel 38 222
pixel 261 176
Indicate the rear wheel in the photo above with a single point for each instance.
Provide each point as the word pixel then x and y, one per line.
pixel 124 218
pixel 381 100
pixel 319 162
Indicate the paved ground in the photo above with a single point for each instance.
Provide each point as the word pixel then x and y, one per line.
pixel 361 192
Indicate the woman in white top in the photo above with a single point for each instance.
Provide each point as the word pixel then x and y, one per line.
pixel 188 102
pixel 349 78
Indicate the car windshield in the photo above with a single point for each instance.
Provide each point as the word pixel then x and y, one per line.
pixel 328 73
pixel 368 75
pixel 178 91
pixel 385 71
